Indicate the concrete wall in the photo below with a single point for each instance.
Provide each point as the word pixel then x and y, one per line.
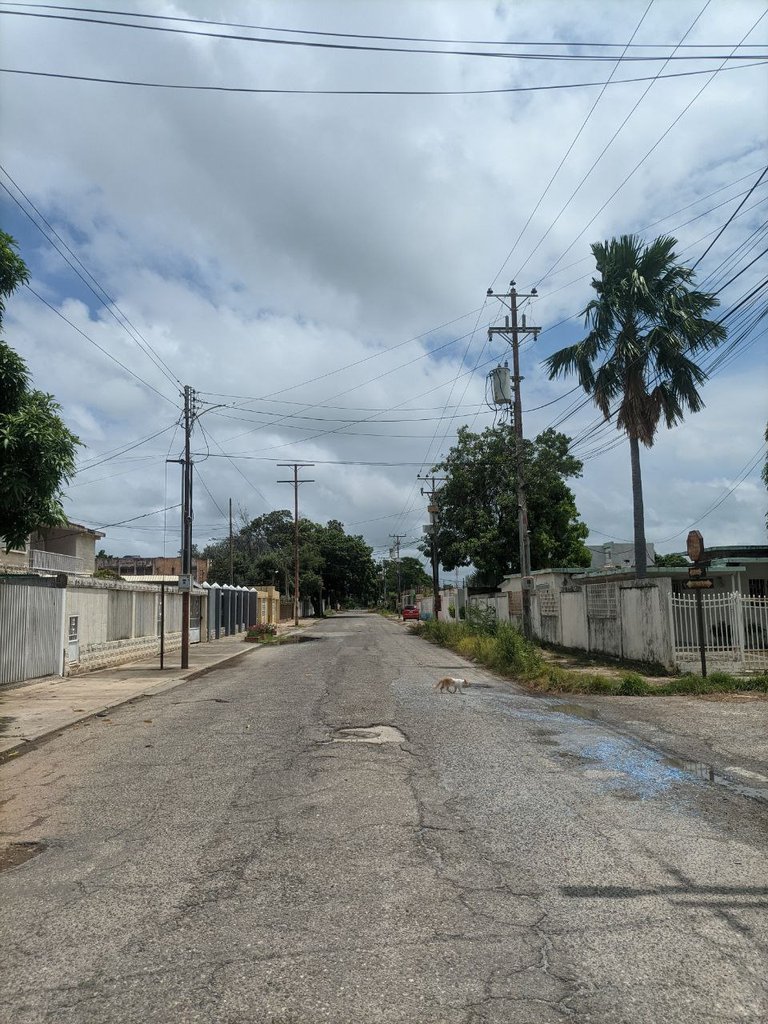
pixel 119 622
pixel 628 619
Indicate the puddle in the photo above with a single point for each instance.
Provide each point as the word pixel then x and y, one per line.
pixel 575 758
pixel 377 734
pixel 545 742
pixel 298 639
pixel 576 710
pixel 17 853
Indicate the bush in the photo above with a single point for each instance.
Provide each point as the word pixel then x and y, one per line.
pixel 513 653
pixel 633 685
pixel 262 632
pixel 452 610
pixel 481 620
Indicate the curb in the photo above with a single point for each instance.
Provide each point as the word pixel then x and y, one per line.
pixel 24 746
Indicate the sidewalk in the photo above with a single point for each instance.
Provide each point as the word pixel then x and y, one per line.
pixel 34 710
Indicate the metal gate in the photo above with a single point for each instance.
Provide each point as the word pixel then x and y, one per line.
pixel 31 629
pixel 735 629
pixel 194 618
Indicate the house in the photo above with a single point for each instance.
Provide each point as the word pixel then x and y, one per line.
pixel 70 549
pixel 130 566
pixel 613 555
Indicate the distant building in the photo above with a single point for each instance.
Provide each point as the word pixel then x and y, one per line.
pixel 70 549
pixel 618 556
pixel 129 566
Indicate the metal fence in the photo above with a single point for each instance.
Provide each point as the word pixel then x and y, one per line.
pixel 735 628
pixel 31 641
pixel 52 561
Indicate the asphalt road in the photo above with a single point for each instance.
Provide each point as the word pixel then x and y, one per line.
pixel 214 854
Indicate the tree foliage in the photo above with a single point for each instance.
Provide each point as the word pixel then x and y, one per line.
pixel 330 559
pixel 37 451
pixel 671 561
pixel 645 322
pixel 477 517
pixel 413 577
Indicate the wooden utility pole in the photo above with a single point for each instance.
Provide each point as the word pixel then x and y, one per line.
pixel 511 332
pixel 397 538
pixel 295 466
pixel 432 508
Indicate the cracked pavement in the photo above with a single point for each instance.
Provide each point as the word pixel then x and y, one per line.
pixel 211 855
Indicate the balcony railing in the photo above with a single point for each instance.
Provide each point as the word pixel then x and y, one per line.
pixel 51 561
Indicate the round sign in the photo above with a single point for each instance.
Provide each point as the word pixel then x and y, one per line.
pixel 695 546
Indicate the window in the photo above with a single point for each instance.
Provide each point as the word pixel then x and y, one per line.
pixel 757 588
pixel 601 600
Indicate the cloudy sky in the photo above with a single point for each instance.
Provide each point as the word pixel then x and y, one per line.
pixel 313 259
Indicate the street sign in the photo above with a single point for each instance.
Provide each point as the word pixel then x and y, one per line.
pixel 695 546
pixel 185 583
pixel 697 571
pixel 700 584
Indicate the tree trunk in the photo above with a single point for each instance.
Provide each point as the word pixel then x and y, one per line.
pixel 637 509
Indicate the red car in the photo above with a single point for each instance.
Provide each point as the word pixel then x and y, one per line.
pixel 410 611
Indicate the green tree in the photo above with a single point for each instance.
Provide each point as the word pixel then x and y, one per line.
pixel 673 561
pixel 477 505
pixel 37 450
pixel 645 322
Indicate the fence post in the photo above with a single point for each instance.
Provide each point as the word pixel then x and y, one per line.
pixel 738 615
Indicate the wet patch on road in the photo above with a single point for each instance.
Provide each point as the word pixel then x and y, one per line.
pixel 576 710
pixel 14 854
pixel 295 639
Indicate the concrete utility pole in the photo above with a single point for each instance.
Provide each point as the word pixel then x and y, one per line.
pixel 432 509
pixel 397 538
pixel 231 549
pixel 511 332
pixel 295 466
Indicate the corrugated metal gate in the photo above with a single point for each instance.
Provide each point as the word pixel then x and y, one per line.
pixel 31 618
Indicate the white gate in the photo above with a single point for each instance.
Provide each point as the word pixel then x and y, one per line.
pixel 735 629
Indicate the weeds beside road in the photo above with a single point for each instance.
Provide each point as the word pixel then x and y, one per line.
pixel 501 647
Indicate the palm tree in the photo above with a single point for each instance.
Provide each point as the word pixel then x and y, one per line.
pixel 645 322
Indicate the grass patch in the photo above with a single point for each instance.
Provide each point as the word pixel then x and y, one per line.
pixel 504 649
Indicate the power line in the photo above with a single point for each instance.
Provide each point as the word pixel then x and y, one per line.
pixel 246 90
pixel 95 288
pixel 638 165
pixel 352 35
pixel 743 474
pixel 733 215
pixel 97 345
pixel 568 151
pixel 115 453
pixel 358 47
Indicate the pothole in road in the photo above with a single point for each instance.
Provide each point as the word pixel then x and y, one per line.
pixel 377 734
pixel 299 639
pixel 15 854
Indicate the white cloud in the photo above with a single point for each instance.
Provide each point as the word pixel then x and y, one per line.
pixel 261 242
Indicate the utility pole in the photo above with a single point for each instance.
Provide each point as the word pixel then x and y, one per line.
pixel 186 524
pixel 511 332
pixel 231 549
pixel 432 509
pixel 397 538
pixel 295 466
